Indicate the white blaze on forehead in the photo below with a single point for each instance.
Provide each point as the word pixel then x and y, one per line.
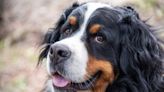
pixel 91 7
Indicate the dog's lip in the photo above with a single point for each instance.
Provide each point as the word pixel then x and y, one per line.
pixel 77 86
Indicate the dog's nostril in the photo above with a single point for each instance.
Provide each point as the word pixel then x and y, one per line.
pixel 63 53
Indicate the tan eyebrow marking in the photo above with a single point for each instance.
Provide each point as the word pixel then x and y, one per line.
pixel 95 28
pixel 72 20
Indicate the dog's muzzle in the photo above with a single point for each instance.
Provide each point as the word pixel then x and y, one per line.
pixel 58 55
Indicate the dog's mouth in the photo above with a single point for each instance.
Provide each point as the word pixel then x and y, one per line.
pixel 61 82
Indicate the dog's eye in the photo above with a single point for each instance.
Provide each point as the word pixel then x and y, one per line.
pixel 99 39
pixel 67 31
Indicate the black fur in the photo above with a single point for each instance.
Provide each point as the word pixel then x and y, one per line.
pixel 130 45
pixel 140 57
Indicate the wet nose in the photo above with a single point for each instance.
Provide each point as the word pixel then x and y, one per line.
pixel 59 53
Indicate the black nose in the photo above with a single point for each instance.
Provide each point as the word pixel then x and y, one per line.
pixel 59 53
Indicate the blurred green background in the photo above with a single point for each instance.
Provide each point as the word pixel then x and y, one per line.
pixel 22 25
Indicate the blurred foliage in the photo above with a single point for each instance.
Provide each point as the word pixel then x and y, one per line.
pixel 156 6
pixel 1 44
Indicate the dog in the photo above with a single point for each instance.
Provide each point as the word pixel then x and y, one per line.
pixel 95 47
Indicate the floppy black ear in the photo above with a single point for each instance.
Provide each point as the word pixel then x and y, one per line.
pixel 140 45
pixel 53 34
pixel 140 59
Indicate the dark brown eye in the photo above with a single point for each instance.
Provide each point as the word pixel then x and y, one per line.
pixel 99 39
pixel 68 31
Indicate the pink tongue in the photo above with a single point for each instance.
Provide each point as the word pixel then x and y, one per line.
pixel 59 81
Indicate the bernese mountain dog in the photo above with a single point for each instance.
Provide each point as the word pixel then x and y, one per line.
pixel 95 47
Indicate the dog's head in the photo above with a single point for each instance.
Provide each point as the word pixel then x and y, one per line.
pixel 94 44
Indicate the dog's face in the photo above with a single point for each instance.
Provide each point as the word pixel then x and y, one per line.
pixel 87 49
pixel 80 57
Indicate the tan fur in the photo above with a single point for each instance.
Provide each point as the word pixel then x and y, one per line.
pixel 95 28
pixel 73 20
pixel 106 77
